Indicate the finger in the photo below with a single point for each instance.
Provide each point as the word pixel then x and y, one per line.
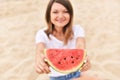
pixel 44 67
pixel 47 66
pixel 86 66
pixel 38 70
pixel 39 67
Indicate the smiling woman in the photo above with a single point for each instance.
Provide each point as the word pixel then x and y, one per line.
pixel 20 19
pixel 60 34
pixel 59 16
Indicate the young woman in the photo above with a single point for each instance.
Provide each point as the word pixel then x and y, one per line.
pixel 60 33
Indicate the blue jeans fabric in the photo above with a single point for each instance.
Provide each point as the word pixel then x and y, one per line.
pixel 67 77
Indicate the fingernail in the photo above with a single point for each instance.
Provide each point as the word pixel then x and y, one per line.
pixel 45 60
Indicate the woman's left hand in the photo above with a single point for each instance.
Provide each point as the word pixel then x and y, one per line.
pixel 87 65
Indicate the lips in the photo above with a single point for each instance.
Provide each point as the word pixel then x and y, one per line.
pixel 60 21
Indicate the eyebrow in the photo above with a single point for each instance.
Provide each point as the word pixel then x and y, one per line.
pixel 57 9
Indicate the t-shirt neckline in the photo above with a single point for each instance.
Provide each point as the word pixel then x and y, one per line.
pixel 56 38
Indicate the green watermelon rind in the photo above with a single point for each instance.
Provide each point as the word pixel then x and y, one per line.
pixel 67 71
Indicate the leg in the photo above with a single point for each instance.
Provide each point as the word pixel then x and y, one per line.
pixel 58 78
pixel 74 75
pixel 85 77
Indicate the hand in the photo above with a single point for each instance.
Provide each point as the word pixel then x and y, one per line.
pixel 87 65
pixel 40 65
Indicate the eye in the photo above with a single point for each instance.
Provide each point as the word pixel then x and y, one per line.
pixel 55 12
pixel 66 11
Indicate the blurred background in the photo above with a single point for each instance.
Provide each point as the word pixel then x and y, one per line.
pixel 21 19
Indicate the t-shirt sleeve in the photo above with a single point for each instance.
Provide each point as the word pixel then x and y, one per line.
pixel 78 31
pixel 40 36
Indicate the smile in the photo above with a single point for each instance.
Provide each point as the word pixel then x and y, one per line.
pixel 60 21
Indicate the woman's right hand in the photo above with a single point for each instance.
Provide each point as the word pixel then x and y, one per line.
pixel 40 65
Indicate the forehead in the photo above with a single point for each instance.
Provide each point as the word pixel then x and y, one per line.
pixel 57 6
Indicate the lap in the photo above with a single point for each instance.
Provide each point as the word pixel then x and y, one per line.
pixel 67 77
pixel 85 77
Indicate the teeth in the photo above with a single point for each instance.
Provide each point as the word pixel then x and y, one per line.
pixel 60 21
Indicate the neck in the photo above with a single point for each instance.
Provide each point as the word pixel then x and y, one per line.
pixel 59 35
pixel 58 31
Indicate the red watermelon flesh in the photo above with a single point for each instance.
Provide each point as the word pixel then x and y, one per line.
pixel 65 60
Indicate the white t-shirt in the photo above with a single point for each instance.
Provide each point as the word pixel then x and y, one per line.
pixel 55 43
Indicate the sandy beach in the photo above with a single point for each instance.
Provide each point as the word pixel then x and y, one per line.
pixel 21 19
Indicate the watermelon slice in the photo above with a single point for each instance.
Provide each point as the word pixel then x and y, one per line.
pixel 65 60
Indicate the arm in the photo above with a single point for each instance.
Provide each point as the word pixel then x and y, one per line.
pixel 80 44
pixel 40 65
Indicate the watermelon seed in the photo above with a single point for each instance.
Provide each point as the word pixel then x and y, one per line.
pixel 76 58
pixel 71 56
pixel 64 58
pixel 59 62
pixel 72 61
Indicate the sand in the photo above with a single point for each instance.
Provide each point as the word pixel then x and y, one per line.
pixel 21 19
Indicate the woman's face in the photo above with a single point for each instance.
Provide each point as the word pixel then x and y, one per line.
pixel 59 15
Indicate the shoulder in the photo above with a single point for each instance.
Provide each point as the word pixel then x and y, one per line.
pixel 78 31
pixel 41 31
pixel 40 35
pixel 77 27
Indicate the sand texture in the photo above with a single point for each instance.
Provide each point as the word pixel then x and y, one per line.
pixel 21 19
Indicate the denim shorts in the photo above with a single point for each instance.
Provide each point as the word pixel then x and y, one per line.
pixel 67 77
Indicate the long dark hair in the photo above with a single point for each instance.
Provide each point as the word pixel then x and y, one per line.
pixel 67 30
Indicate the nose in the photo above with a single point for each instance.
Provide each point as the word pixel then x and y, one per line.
pixel 61 15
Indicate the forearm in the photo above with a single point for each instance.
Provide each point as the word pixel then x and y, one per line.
pixel 40 64
pixel 80 43
pixel 40 48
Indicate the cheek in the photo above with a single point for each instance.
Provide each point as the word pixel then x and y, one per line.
pixel 68 17
pixel 52 17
